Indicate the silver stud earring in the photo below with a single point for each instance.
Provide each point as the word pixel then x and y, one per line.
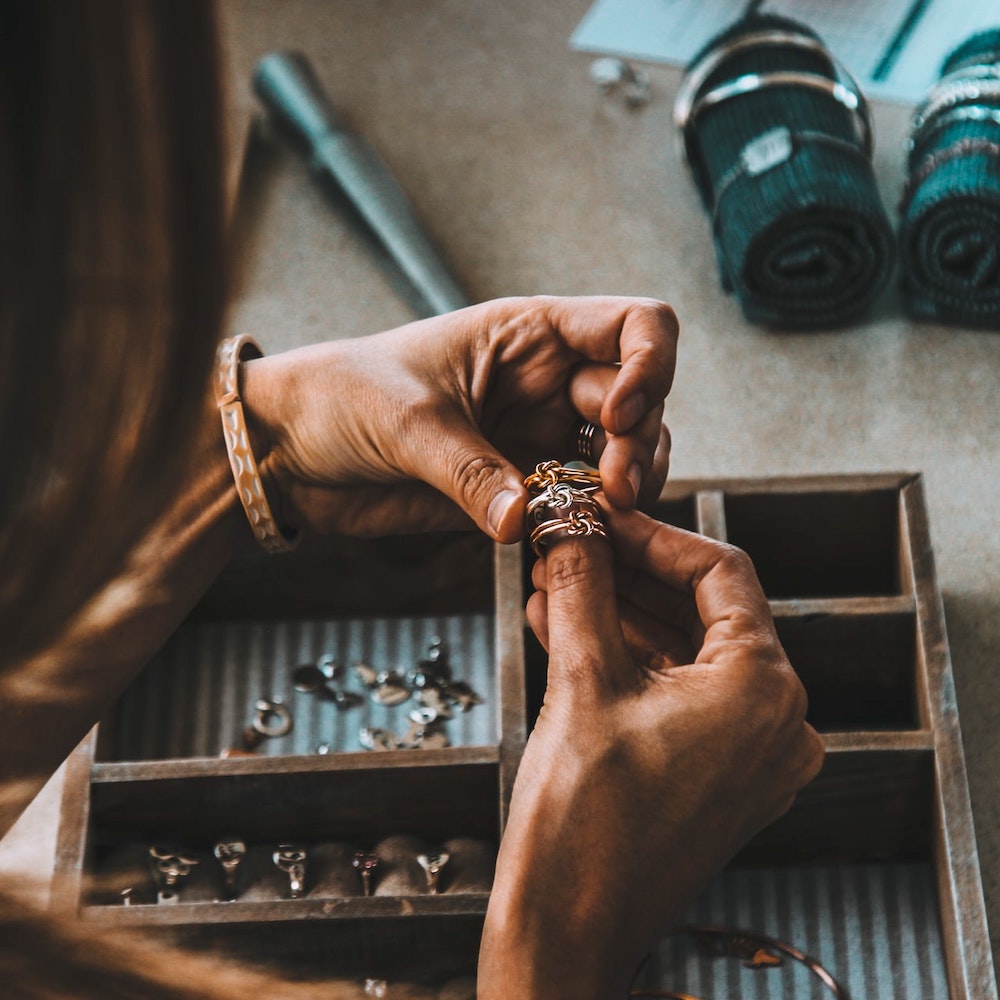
pixel 610 73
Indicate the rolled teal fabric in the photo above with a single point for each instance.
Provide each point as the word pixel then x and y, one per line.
pixel 949 236
pixel 801 235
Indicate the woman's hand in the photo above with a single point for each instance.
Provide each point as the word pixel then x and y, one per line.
pixel 673 729
pixel 405 430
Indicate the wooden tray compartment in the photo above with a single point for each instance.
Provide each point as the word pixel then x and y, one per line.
pixel 359 600
pixel 847 566
pixel 858 663
pixel 827 543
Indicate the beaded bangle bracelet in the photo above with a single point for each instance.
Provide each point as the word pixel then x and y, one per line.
pixel 249 487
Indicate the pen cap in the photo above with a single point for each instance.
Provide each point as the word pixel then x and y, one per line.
pixel 287 86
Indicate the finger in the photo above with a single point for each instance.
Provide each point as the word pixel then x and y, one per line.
pixel 463 465
pixel 652 485
pixel 661 601
pixel 730 602
pixel 640 334
pixel 589 386
pixel 646 593
pixel 537 613
pixel 629 458
pixel 657 619
pixel 586 646
pixel 632 463
pixel 654 642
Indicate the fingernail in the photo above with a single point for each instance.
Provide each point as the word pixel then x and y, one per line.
pixel 499 506
pixel 634 476
pixel 631 411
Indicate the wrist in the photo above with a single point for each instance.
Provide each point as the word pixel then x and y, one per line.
pixel 525 959
pixel 264 432
pixel 546 935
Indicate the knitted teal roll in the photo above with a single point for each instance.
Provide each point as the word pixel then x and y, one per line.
pixel 949 235
pixel 782 161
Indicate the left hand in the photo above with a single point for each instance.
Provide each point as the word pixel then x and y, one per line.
pixel 405 430
pixel 673 729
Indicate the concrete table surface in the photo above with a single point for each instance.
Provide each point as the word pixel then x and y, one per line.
pixel 532 181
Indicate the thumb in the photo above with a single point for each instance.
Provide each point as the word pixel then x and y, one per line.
pixel 585 638
pixel 470 471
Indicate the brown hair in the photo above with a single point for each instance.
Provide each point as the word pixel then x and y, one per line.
pixel 112 291
pixel 43 958
pixel 112 284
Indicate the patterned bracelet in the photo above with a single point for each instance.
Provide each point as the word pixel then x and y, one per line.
pixel 234 430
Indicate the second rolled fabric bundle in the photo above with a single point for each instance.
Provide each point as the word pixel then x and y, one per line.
pixel 778 138
pixel 950 212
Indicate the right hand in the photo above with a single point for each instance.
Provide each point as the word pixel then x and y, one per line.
pixel 673 729
pixel 438 422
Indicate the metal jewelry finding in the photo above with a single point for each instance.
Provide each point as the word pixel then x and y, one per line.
pixel 585 443
pixel 291 859
pixel 230 854
pixel 271 717
pixel 366 862
pixel 312 679
pixel 610 72
pixel 432 865
pixel 374 738
pixel 757 951
pixel 169 867
pixel 391 688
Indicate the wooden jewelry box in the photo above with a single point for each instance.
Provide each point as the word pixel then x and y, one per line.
pixel 874 871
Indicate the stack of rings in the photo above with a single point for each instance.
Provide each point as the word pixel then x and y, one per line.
pixel 562 505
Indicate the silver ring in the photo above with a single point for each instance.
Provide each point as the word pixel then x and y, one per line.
pixel 585 443
pixel 271 717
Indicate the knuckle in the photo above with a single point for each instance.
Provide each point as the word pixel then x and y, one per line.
pixel 772 697
pixel 813 755
pixel 661 313
pixel 734 561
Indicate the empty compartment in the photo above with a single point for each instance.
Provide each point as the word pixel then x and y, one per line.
pixel 819 544
pixel 371 608
pixel 866 805
pixel 859 670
